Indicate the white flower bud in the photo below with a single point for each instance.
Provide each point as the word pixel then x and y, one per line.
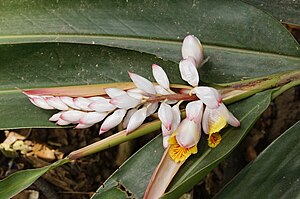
pixel 188 71
pixel 128 116
pixel 191 47
pixel 102 105
pixel 135 95
pixel 160 76
pixel 114 92
pixel 40 102
pixel 113 120
pixel 151 108
pixel 69 101
pixel 92 118
pixel 72 116
pixel 160 90
pixel 125 101
pixel 209 96
pixel 136 119
pixel 83 126
pixel 165 115
pixel 142 83
pixel 194 111
pixel 56 103
pixel 83 103
pixel 56 116
pixel 62 122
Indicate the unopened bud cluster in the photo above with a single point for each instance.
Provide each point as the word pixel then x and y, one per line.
pixel 131 107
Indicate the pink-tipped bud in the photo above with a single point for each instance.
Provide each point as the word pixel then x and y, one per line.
pixel 125 101
pixel 165 114
pixel 188 133
pixel 114 92
pixel 160 76
pixel 142 83
pixel 209 96
pixel 189 71
pixel 191 47
pixel 136 119
pixel 56 103
pixel 92 117
pixel 83 126
pixel 56 116
pixel 83 103
pixel 69 101
pixel 62 122
pixel 102 105
pixel 113 120
pixel 40 102
pixel 194 111
pixel 72 116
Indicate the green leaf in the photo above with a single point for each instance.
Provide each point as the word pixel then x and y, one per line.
pixel 285 11
pixel 135 174
pixel 230 30
pixel 20 180
pixel 273 174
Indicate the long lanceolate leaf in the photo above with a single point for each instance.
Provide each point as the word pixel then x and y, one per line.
pixel 279 164
pixel 196 167
pixel 20 180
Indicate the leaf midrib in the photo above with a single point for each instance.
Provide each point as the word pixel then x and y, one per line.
pixel 54 38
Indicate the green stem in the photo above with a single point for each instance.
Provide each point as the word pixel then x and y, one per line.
pixel 231 93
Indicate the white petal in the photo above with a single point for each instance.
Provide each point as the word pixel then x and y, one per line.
pixel 62 122
pixel 72 116
pixel 69 101
pixel 209 96
pixel 83 103
pixel 83 126
pixel 214 119
pixel 165 114
pixel 114 92
pixel 102 105
pixel 128 116
pixel 142 83
pixel 125 101
pixel 92 117
pixel 136 119
pixel 55 117
pixel 205 119
pixel 137 96
pixel 194 111
pixel 188 133
pixel 96 98
pixel 136 90
pixel 229 116
pixel 166 141
pixel 176 117
pixel 112 120
pixel 160 90
pixel 166 132
pixel 188 71
pixel 191 47
pixel 56 103
pixel 160 76
pixel 151 108
pixel 40 102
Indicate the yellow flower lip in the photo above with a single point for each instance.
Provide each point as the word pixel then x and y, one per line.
pixel 179 153
pixel 214 140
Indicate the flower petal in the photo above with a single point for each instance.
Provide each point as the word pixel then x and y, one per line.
pixel 102 105
pixel 209 96
pixel 136 119
pixel 165 114
pixel 83 126
pixel 72 116
pixel 194 111
pixel 114 92
pixel 128 116
pixel 151 107
pixel 55 117
pixel 56 103
pixel 142 83
pixel 69 101
pixel 188 71
pixel 92 118
pixel 125 101
pixel 191 47
pixel 160 76
pixel 40 102
pixel 188 133
pixel 83 103
pixel 112 120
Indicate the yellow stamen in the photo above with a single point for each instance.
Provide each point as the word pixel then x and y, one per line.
pixel 214 139
pixel 179 153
